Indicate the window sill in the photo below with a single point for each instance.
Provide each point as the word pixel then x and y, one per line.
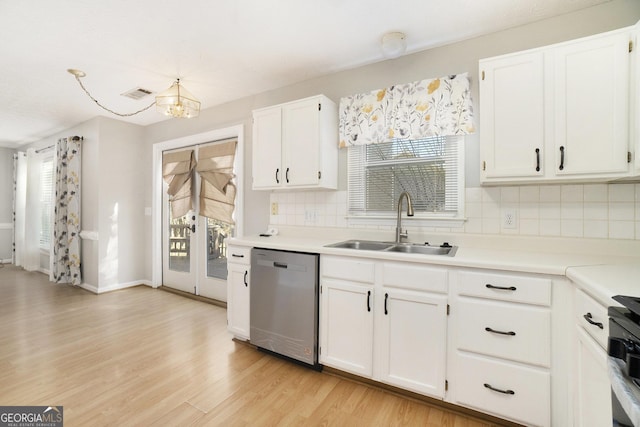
pixel 391 221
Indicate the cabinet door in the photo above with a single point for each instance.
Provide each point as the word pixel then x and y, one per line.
pixel 591 81
pixel 592 388
pixel 301 143
pixel 238 293
pixel 413 338
pixel 512 119
pixel 267 154
pixel 346 329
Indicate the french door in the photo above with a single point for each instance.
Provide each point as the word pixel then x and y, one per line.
pixel 194 254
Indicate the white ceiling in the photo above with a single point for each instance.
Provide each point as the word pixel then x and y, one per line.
pixel 222 50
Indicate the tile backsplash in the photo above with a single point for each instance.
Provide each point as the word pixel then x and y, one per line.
pixel 607 211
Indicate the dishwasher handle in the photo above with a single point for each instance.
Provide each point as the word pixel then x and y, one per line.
pixel 279 264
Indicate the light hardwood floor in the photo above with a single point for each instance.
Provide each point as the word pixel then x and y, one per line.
pixel 141 357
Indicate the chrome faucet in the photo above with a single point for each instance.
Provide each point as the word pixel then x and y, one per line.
pixel 399 233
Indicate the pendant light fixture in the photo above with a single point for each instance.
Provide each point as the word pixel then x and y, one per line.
pixel 175 101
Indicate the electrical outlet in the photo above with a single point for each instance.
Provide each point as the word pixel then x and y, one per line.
pixel 509 219
pixel 274 208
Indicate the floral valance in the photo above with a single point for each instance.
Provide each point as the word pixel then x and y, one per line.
pixel 432 107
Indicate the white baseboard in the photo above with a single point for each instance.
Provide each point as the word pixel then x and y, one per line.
pixel 116 287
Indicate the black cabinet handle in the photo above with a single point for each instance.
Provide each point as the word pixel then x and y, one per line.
pixel 368 300
pixel 245 278
pixel 237 256
pixel 537 160
pixel 561 157
pixel 278 176
pixel 493 331
pixel 501 288
pixel 588 318
pixel 193 228
pixel 386 297
pixel 287 175
pixel 498 390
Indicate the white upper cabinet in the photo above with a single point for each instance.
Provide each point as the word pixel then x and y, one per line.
pixel 591 100
pixel 558 113
pixel 512 115
pixel 296 145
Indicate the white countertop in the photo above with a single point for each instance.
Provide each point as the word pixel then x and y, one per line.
pixel 602 267
pixel 604 281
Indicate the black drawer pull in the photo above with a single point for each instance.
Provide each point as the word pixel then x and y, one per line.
pixel 498 390
pixel 245 278
pixel 588 318
pixel 386 297
pixel 368 300
pixel 501 288
pixel 237 256
pixel 493 331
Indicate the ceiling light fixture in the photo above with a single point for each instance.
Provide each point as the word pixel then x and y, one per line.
pixel 175 101
pixel 393 44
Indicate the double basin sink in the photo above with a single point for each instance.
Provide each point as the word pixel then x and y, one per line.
pixel 410 248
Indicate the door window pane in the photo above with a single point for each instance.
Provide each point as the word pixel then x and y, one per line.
pixel 217 235
pixel 179 248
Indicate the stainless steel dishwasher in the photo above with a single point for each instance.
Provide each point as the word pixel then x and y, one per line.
pixel 284 303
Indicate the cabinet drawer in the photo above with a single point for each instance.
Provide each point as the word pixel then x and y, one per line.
pixel 525 396
pixel 505 287
pixel 349 269
pixel 239 254
pixel 510 331
pixel 412 276
pixel 589 310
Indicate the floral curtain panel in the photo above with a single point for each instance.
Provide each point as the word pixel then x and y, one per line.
pixel 65 264
pixel 426 108
pixel 177 172
pixel 217 191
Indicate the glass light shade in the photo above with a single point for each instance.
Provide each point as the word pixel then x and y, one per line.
pixel 394 44
pixel 177 102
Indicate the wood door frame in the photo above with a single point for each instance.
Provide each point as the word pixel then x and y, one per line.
pixel 156 197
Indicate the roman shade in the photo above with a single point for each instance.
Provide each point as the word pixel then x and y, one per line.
pixel 417 110
pixel 177 172
pixel 217 192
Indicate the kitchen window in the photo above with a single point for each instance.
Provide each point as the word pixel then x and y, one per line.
pixel 431 170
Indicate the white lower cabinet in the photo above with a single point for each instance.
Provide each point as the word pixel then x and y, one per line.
pixel 508 390
pixel 413 333
pixel 371 326
pixel 238 291
pixel 346 332
pixel 500 355
pixel 591 385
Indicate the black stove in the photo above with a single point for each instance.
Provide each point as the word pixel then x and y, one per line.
pixel 624 361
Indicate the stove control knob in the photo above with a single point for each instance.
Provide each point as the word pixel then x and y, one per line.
pixel 619 348
pixel 633 365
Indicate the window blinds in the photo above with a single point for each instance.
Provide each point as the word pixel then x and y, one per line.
pixel 177 171
pixel 217 191
pixel 427 169
pixel 46 197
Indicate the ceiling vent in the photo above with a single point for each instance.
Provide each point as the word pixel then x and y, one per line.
pixel 137 93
